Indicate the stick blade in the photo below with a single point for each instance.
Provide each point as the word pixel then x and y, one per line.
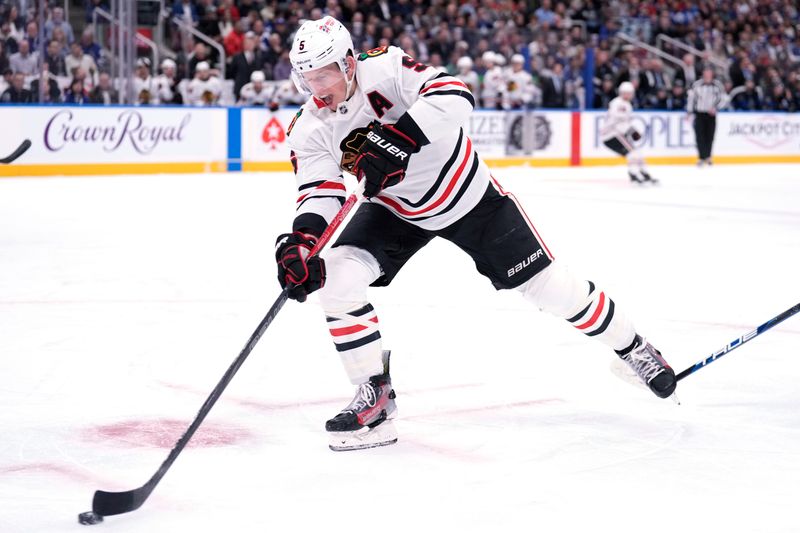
pixel 111 503
pixel 18 152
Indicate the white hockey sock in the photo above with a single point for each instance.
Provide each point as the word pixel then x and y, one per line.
pixel 582 304
pixel 352 321
pixel 635 161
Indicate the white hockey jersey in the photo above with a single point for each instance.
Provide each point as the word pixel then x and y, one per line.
pixel 251 97
pixel 494 87
pixel 444 180
pixel 617 120
pixel 205 92
pixel 471 80
pixel 520 89
pixel 150 90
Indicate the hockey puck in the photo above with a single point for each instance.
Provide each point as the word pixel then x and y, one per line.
pixel 89 518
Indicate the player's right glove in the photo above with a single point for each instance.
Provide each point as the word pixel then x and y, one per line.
pixel 297 272
pixel 384 158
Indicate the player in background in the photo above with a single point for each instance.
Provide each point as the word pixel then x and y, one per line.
pixel 167 83
pixel 494 81
pixel 205 89
pixel 145 87
pixel 258 93
pixel 619 135
pixel 398 126
pixel 467 74
pixel 520 90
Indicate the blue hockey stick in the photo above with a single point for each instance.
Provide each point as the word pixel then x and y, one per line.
pixel 738 342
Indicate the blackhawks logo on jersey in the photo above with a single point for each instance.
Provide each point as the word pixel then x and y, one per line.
pixel 351 147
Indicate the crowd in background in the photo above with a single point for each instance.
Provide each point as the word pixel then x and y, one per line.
pixel 513 54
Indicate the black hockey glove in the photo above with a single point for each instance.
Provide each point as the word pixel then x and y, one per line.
pixel 296 271
pixel 633 134
pixel 384 158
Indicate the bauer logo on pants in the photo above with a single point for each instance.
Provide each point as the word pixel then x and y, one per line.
pixel 525 263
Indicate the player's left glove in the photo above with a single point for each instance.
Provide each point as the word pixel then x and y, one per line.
pixel 384 158
pixel 634 134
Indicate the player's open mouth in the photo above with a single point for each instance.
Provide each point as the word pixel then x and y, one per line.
pixel 328 100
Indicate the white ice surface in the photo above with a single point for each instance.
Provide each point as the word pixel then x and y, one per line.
pixel 124 299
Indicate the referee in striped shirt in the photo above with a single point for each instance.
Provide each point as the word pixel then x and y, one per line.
pixel 706 96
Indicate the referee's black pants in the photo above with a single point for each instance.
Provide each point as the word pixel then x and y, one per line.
pixel 704 127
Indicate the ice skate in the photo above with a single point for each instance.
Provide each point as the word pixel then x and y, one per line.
pixel 647 178
pixel 651 368
pixel 634 178
pixel 366 421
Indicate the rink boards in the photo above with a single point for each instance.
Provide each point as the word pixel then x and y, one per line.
pixel 97 140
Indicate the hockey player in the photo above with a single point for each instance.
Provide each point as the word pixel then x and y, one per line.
pixel 466 74
pixel 257 93
pixel 520 89
pixel 494 81
pixel 144 85
pixel 204 89
pixel 398 126
pixel 619 135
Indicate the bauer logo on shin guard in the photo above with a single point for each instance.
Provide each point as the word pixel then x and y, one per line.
pixel 525 262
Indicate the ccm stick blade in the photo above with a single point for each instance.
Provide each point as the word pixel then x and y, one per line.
pixel 16 153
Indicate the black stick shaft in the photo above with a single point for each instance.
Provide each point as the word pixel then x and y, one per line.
pixel 739 341
pixel 111 503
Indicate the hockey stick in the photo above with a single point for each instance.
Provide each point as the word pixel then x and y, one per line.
pixel 112 503
pixel 739 341
pixel 21 149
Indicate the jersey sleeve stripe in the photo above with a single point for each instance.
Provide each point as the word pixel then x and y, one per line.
pixel 442 84
pixel 450 186
pixel 464 94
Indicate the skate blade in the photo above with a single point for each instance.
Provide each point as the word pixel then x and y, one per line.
pixel 383 434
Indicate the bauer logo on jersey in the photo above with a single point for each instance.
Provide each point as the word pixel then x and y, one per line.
pixel 351 147
pixel 525 263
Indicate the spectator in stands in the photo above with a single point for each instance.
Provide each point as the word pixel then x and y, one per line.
pixel 5 80
pixel 168 82
pixel 234 41
pixel 273 54
pixel 3 58
pixel 689 75
pixel 283 68
pixel 104 93
pixel 780 99
pixel 209 18
pixel 16 24
pixel 55 60
pixel 52 94
pixel 205 89
pixel 243 64
pixel 17 93
pixel 24 61
pixel 32 36
pixel 228 15
pixel 78 60
pixel 8 39
pixel 91 5
pixel 76 93
pixel 651 80
pixel 677 97
pixel 750 99
pixel 89 46
pixel 606 93
pixel 553 88
pixel 57 21
pixel 199 55
pixel 186 11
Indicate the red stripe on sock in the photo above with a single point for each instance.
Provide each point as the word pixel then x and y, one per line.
pixel 597 313
pixel 338 332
